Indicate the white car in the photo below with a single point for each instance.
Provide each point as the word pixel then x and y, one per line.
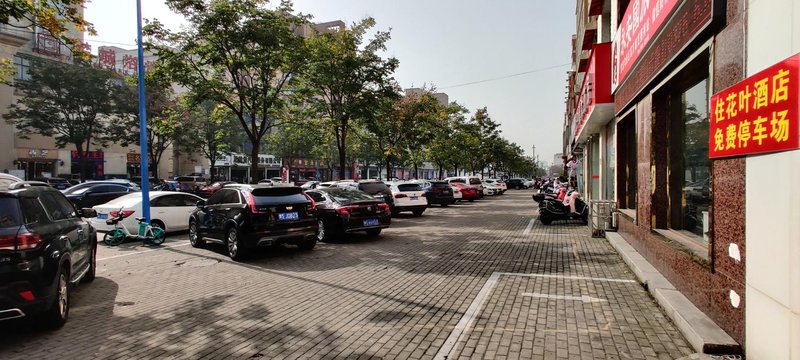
pixel 528 183
pixel 500 183
pixel 491 188
pixel 456 193
pixel 408 196
pixel 168 209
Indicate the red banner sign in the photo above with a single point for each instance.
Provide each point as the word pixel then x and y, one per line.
pixel 641 22
pixel 759 114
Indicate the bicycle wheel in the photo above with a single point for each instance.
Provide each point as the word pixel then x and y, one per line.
pixel 159 235
pixel 114 237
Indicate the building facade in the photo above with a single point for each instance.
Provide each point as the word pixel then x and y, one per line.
pixel 678 146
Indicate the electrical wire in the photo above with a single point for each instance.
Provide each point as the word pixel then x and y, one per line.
pixel 506 76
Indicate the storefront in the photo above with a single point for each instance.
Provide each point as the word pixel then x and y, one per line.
pixel 302 169
pixel 95 164
pixel 34 163
pixel 134 164
pixel 681 53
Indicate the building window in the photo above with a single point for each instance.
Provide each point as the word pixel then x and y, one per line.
pixel 686 176
pixel 626 162
pixel 22 66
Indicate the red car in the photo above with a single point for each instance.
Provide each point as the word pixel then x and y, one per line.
pixel 209 190
pixel 467 192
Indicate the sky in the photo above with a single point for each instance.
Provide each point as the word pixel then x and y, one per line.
pixel 521 46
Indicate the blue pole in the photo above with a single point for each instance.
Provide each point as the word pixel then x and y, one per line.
pixel 143 120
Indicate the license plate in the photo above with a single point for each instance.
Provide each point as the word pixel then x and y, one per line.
pixel 415 198
pixel 288 216
pixel 371 222
pixel 102 216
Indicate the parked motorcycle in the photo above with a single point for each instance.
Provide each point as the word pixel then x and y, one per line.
pixel 551 209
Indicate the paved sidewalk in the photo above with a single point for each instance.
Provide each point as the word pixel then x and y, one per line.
pixel 476 280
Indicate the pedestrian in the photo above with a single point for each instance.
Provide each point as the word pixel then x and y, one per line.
pixel 574 165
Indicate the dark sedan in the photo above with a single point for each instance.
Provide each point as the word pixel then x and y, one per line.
pixel 90 194
pixel 341 211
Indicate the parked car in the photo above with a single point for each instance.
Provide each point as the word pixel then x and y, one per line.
pixel 168 209
pixel 456 193
pixel 437 192
pixel 468 180
pixel 152 182
pixel 58 183
pixel 529 183
pixel 491 188
pixel 247 216
pixel 6 180
pixel 169 185
pixel 468 192
pixel 378 189
pixel 408 196
pixel 341 211
pixel 310 185
pixel 126 183
pixel 46 247
pixel 207 191
pixel 501 185
pixel 97 193
pixel 191 184
pixel 517 183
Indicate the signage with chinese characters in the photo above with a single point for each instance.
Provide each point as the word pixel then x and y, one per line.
pixel 759 114
pixel 596 87
pixel 642 20
pixel 91 155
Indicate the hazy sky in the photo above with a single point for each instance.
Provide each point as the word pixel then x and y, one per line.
pixel 443 43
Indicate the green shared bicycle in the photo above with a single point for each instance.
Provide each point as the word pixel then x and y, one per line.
pixel 149 234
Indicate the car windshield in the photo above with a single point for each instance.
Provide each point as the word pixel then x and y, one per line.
pixel 457 181
pixel 440 185
pixel 278 195
pixel 474 181
pixel 409 187
pixel 344 196
pixel 374 188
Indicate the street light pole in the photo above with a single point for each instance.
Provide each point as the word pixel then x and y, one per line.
pixel 143 120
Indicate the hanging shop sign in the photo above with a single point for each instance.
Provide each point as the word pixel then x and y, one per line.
pixel 759 114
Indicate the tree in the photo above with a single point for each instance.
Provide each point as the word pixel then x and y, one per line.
pixel 294 140
pixel 346 79
pixel 56 17
pixel 237 53
pixel 72 103
pixel 165 120
pixel 445 148
pixel 209 128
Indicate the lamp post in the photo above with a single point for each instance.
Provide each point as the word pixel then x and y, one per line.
pixel 142 120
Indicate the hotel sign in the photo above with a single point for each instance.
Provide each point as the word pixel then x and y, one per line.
pixel 759 114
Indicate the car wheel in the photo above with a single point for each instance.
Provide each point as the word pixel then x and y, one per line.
pixel 374 232
pixel 307 245
pixel 92 273
pixel 194 236
pixel 56 316
pixel 235 251
pixel 418 212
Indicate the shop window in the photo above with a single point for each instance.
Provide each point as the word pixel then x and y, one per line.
pixel 686 173
pixel 626 162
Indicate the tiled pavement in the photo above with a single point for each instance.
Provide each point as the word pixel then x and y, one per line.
pixel 411 293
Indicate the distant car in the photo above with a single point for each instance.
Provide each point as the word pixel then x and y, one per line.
pixel 491 188
pixel 152 182
pixel 408 196
pixel 341 211
pixel 58 183
pixel 326 184
pixel 244 217
pixel 467 180
pixel 517 183
pixel 310 185
pixel 169 210
pixel 499 183
pixel 468 192
pixel 209 190
pixel 46 247
pixel 123 182
pixel 191 183
pixel 96 193
pixel 456 193
pixel 437 192
pixel 7 179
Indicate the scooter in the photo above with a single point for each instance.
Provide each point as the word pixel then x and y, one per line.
pixel 551 209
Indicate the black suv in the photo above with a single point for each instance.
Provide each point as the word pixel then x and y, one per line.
pixel 247 216
pixel 45 249
pixel 516 183
pixel 438 192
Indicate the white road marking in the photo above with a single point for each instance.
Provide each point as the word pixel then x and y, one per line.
pixel 141 252
pixel 528 229
pixel 469 317
pixel 464 325
pixel 567 277
pixel 584 298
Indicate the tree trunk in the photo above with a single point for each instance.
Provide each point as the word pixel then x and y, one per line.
pixel 254 176
pixel 416 171
pixel 81 162
pixel 388 167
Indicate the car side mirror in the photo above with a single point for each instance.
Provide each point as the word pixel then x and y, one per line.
pixel 88 213
pixel 201 204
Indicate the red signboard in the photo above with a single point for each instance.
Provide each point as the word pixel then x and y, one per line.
pixel 596 87
pixel 641 22
pixel 759 114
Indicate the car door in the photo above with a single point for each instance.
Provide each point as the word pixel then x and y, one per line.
pixel 72 231
pixel 184 206
pixel 162 209
pixel 206 214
